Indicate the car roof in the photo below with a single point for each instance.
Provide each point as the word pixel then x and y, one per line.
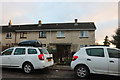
pixel 26 47
pixel 98 47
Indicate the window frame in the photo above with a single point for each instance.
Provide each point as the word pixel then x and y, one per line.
pixel 23 34
pixel 42 34
pixel 84 34
pixel 85 45
pixel 9 35
pixel 60 34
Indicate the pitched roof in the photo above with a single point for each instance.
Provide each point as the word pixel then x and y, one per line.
pixel 52 27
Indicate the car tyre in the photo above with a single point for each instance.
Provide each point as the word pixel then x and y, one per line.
pixel 28 68
pixel 82 71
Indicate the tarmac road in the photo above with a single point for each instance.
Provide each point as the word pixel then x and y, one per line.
pixel 49 74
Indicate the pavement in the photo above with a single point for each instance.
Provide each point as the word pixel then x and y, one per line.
pixel 61 67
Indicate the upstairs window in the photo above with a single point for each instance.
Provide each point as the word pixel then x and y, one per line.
pixel 83 33
pixel 60 34
pixel 42 34
pixel 23 35
pixel 9 35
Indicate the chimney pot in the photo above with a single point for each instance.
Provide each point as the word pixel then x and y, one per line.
pixel 10 23
pixel 39 23
pixel 76 22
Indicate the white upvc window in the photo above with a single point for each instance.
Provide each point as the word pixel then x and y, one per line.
pixel 23 34
pixel 84 34
pixel 9 35
pixel 42 34
pixel 60 34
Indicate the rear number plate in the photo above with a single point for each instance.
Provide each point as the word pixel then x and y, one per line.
pixel 49 59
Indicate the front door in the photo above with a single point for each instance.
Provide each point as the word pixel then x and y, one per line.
pixel 63 52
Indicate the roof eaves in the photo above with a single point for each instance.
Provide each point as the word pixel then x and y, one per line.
pixel 53 30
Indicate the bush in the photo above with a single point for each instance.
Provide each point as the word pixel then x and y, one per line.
pixel 67 61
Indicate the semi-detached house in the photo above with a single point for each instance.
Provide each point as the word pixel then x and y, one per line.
pixel 61 39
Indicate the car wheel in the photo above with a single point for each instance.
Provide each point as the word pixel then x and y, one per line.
pixel 28 68
pixel 82 71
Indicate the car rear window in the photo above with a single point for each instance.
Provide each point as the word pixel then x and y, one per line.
pixel 43 51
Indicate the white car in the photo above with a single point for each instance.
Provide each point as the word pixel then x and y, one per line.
pixel 26 58
pixel 98 60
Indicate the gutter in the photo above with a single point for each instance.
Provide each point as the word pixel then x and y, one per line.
pixel 54 30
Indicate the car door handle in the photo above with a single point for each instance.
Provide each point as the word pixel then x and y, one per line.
pixel 21 57
pixel 88 59
pixel 111 61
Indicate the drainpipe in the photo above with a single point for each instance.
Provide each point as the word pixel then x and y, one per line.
pixel 15 37
pixel 50 36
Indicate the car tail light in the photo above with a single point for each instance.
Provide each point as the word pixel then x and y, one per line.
pixel 41 56
pixel 74 58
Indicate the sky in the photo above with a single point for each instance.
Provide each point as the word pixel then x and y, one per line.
pixel 103 13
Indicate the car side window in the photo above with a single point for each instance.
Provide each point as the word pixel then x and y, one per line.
pixel 19 51
pixel 113 53
pixel 32 51
pixel 8 52
pixel 98 52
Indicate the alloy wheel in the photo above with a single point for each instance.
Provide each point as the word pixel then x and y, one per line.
pixel 27 68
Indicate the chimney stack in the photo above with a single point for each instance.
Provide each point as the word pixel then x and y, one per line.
pixel 10 23
pixel 39 23
pixel 76 22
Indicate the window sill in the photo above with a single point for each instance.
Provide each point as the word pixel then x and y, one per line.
pixel 23 37
pixel 60 37
pixel 42 37
pixel 8 38
pixel 83 37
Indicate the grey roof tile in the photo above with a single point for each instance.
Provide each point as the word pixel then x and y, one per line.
pixel 53 26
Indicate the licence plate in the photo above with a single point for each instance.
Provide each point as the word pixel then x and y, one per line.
pixel 49 59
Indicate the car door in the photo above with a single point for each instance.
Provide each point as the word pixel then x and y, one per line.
pixel 113 60
pixel 18 57
pixel 6 57
pixel 97 60
pixel 32 55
